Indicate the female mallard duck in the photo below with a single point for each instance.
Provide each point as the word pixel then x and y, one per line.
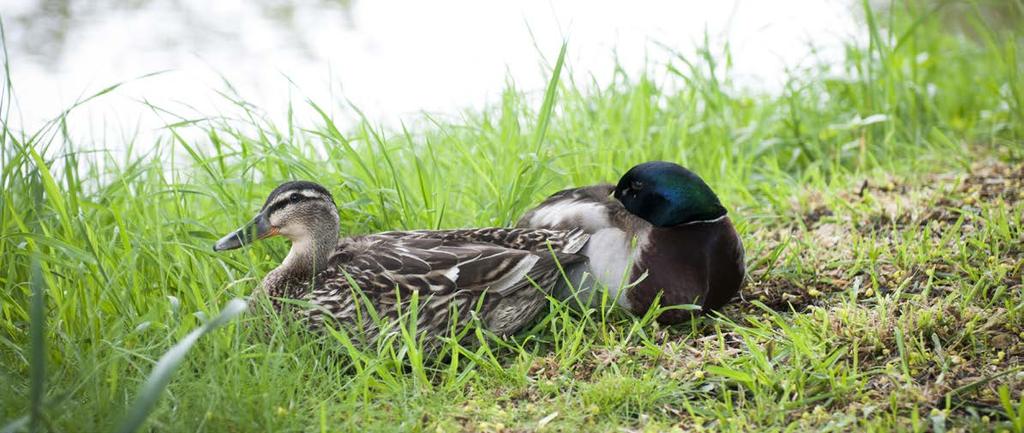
pixel 660 230
pixel 490 273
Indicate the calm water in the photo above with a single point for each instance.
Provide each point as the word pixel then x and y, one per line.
pixel 392 59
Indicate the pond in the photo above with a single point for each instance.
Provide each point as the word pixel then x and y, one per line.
pixel 391 59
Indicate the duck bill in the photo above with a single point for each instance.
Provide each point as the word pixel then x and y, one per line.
pixel 256 229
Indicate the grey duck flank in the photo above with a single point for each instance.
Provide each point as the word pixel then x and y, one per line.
pixel 659 230
pixel 486 270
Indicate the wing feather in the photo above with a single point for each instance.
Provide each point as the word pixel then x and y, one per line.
pixel 451 269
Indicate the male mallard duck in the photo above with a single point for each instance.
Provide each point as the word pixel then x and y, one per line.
pixel 662 226
pixel 491 271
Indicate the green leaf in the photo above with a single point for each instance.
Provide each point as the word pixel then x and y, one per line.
pixel 736 375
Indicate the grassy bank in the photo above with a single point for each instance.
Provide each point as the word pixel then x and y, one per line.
pixel 880 206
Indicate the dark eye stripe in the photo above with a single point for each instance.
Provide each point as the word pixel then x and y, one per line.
pixel 287 201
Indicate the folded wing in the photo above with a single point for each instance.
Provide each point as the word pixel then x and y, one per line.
pixel 502 275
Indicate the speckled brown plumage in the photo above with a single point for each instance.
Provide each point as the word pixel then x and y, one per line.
pixel 500 275
pixel 365 284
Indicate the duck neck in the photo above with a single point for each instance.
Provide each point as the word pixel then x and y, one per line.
pixel 308 256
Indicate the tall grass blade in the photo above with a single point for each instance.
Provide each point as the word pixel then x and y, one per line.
pixel 38 339
pixel 549 100
pixel 168 364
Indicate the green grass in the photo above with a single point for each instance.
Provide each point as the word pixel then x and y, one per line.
pixel 881 210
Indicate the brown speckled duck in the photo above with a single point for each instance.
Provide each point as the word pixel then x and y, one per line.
pixel 661 229
pixel 490 273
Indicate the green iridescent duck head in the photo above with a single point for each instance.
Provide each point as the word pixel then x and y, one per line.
pixel 665 194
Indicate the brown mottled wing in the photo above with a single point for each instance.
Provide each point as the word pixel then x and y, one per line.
pixel 568 240
pixel 446 274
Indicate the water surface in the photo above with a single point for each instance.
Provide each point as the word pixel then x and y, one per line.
pixel 392 59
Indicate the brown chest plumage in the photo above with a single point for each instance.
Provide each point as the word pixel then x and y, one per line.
pixel 699 264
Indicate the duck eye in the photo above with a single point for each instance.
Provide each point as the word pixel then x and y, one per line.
pixel 636 184
pixel 295 198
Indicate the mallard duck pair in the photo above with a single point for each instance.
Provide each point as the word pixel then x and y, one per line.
pixel 660 230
